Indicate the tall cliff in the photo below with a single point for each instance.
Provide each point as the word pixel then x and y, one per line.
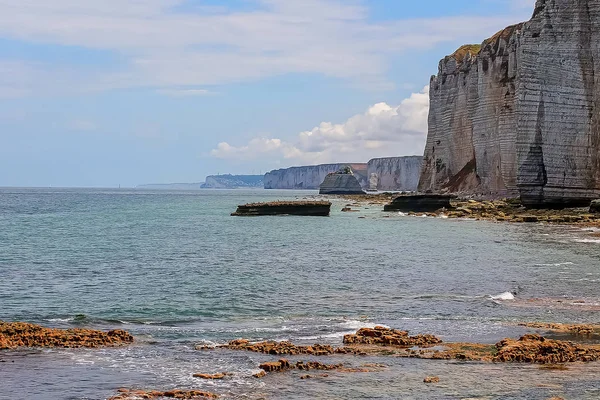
pixel 395 173
pixel 310 177
pixel 519 114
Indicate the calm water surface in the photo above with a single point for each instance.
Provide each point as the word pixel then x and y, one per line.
pixel 176 270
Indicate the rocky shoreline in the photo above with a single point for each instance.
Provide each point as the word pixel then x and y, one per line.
pixel 504 210
pixel 531 348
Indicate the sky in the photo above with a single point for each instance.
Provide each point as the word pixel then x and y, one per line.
pixel 101 93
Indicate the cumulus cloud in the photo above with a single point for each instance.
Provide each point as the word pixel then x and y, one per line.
pixel 168 43
pixel 382 130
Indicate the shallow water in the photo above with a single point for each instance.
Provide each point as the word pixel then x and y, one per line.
pixel 176 270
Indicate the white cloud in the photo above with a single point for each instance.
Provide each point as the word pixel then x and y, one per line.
pixel 184 92
pixel 382 130
pixel 160 46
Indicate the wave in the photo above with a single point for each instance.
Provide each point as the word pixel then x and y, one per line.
pixel 587 240
pixel 503 296
pixel 555 265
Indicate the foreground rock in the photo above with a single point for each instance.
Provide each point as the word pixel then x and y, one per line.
pixel 392 342
pixel 341 182
pixel 217 376
pixel 419 203
pixel 539 350
pixel 573 329
pixel 304 208
pixel 127 394
pixel 18 334
pixel 390 337
pixel 284 365
pixel 286 348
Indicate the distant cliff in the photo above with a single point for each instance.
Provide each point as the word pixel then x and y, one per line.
pixel 520 114
pixel 310 177
pixel 171 186
pixel 233 181
pixel 394 173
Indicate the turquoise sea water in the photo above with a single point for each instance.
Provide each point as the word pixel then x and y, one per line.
pixel 176 270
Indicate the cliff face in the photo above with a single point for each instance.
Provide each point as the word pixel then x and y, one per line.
pixel 394 173
pixel 310 177
pixel 519 115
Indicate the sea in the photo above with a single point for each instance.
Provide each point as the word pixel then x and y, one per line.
pixel 177 271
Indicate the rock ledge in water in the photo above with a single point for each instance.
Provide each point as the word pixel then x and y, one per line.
pixel 419 203
pixel 390 337
pixel 19 334
pixel 304 208
pixel 127 394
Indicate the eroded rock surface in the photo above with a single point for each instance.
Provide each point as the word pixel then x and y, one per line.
pixel 341 182
pixel 128 394
pixel 286 348
pixel 395 173
pixel 19 334
pixel 519 115
pixel 390 337
pixel 539 350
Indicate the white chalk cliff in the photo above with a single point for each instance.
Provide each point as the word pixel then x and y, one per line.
pixel 519 115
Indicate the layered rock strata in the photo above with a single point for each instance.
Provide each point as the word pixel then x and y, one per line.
pixel 304 208
pixel 340 183
pixel 394 173
pixel 519 115
pixel 419 203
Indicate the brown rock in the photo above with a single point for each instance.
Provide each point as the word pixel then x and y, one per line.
pixel 219 375
pixel 276 366
pixel 260 374
pixel 125 394
pixel 537 349
pixel 20 334
pixel 431 379
pixel 285 348
pixel 390 337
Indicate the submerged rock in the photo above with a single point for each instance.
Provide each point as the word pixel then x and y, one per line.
pixel 217 376
pixel 128 394
pixel 19 334
pixel 284 365
pixel 286 348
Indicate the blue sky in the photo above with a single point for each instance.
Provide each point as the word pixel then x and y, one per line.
pixel 102 93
